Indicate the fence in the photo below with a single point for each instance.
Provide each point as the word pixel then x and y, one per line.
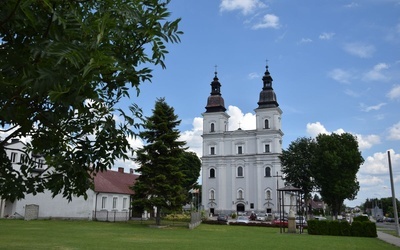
pixel 113 216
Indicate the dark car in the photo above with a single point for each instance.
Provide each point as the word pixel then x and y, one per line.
pixel 222 218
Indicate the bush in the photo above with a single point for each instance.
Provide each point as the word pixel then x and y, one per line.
pixel 361 218
pixel 343 228
pixel 233 215
pixel 334 228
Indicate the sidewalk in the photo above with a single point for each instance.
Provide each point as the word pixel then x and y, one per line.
pixel 389 238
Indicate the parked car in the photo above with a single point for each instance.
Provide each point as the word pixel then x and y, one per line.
pixel 301 220
pixel 319 218
pixel 242 219
pixel 222 218
pixel 280 222
pixel 261 217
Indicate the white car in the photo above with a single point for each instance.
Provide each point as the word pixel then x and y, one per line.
pixel 301 220
pixel 242 219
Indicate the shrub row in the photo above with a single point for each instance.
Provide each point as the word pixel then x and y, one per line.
pixel 342 228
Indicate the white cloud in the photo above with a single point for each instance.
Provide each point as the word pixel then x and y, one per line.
pixel 376 73
pixel 365 142
pixel 326 36
pixel 268 21
pixel 351 5
pixel 394 132
pixel 245 6
pixel 316 128
pixel 246 121
pixel 378 163
pixel 394 93
pixel 359 49
pixel 370 180
pixel 369 108
pixel 254 75
pixel 305 40
pixel 340 75
pixel 193 137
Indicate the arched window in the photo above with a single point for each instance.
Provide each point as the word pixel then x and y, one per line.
pixel 268 195
pixel 212 194
pixel 266 123
pixel 240 194
pixel 212 127
pixel 240 172
pixel 267 172
pixel 212 173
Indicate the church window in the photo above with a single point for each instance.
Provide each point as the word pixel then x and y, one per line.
pixel 267 172
pixel 251 205
pixel 240 150
pixel 212 195
pixel 212 127
pixel 266 123
pixel 212 150
pixel 268 195
pixel 266 148
pixel 240 194
pixel 240 172
pixel 212 173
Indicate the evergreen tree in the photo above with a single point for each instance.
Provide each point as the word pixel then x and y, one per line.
pixel 161 181
pixel 190 166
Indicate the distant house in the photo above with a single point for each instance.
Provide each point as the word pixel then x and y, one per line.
pixel 110 200
pixel 318 206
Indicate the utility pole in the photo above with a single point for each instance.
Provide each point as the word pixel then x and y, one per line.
pixel 394 201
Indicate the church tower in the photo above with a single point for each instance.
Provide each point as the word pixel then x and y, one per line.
pixel 240 167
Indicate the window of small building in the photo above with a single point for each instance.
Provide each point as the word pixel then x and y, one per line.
pixel 13 157
pixel 115 200
pixel 103 202
pixel 124 203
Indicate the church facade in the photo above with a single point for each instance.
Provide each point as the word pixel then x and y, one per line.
pixel 241 169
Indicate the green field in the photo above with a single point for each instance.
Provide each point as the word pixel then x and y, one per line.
pixel 56 234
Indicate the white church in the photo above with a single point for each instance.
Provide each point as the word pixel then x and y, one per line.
pixel 241 169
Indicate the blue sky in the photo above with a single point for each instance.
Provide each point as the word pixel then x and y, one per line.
pixel 335 65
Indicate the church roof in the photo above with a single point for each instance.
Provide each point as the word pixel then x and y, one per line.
pixel 267 95
pixel 215 102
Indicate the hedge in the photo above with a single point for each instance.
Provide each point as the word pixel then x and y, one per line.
pixel 342 228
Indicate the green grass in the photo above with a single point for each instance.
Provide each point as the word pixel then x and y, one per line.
pixel 54 234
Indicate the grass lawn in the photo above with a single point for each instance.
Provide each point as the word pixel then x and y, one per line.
pixel 55 234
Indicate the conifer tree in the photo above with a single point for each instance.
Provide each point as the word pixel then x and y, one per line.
pixel 161 183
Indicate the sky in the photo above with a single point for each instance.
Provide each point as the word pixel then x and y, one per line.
pixel 335 67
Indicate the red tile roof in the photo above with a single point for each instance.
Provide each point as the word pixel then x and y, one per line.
pixel 114 182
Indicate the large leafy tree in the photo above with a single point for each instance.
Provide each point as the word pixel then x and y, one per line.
pixel 296 164
pixel 337 160
pixel 64 67
pixel 161 181
pixel 190 166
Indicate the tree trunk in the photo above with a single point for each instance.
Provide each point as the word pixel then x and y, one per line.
pixel 158 216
